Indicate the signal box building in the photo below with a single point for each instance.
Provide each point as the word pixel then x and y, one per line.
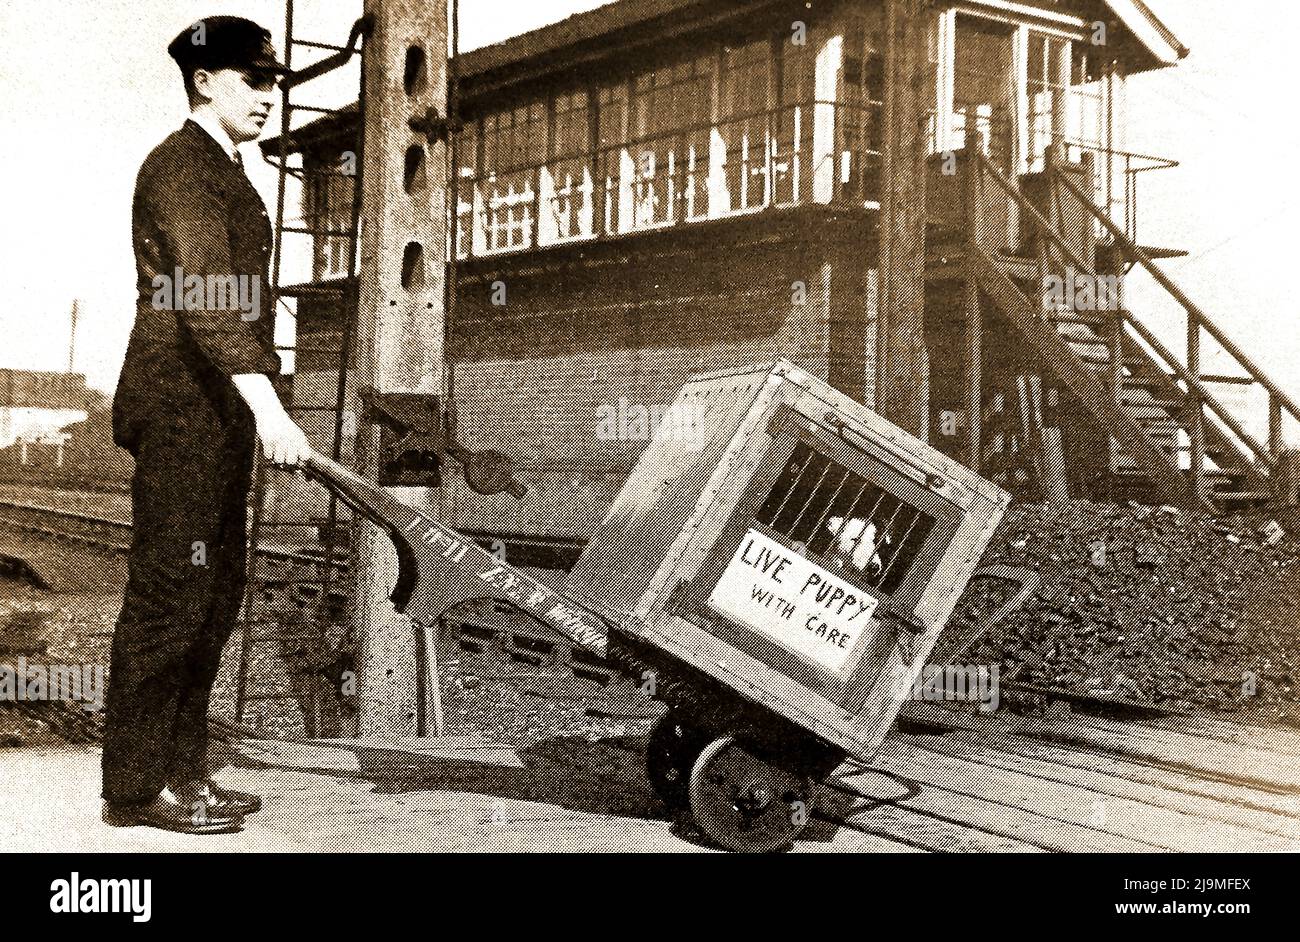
pixel 929 205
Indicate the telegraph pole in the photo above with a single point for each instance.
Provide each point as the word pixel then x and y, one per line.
pixel 400 314
pixel 72 339
pixel 903 369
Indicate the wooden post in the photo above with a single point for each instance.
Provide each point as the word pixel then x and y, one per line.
pixel 1112 85
pixel 970 169
pixel 535 228
pixel 974 375
pixel 1275 441
pixel 400 320
pixel 1115 379
pixel 1060 102
pixel 1196 420
pixel 904 364
pixel 430 678
pixel 1116 395
pixel 1089 234
pixel 72 346
pixel 1056 485
pixel 598 194
pixel 1046 247
pixel 885 245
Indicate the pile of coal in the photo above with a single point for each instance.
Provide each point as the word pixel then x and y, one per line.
pixel 1150 605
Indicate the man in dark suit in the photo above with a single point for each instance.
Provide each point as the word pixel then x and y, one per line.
pixel 193 399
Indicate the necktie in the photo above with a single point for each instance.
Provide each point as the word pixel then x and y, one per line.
pixel 239 160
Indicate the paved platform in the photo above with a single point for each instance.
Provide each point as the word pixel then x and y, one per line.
pixel 1088 785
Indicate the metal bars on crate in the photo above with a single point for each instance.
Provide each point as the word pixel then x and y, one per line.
pixel 849 522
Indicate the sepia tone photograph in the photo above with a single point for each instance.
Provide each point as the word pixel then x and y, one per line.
pixel 651 426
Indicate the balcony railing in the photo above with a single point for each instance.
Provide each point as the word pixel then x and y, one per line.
pixel 814 152
pixel 1115 172
pixel 1115 185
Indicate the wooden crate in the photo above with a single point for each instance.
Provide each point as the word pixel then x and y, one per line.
pixel 793 545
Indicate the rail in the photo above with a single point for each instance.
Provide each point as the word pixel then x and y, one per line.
pixel 96 530
pixel 810 152
pixel 1170 362
pixel 1116 172
pixel 1197 320
pixel 1224 436
pixel 1117 164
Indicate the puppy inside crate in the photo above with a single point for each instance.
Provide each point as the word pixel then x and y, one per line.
pixel 858 543
pixel 850 523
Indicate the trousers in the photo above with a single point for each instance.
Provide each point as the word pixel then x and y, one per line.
pixel 185 585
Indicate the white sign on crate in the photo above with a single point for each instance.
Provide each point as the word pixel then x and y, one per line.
pixel 798 604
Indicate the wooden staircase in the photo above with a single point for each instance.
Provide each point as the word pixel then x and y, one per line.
pixel 1173 439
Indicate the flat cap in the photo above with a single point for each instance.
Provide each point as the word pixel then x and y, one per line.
pixel 225 42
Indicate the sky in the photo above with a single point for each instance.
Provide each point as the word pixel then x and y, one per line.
pixel 87 90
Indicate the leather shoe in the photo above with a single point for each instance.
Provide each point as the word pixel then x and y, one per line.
pixel 239 802
pixel 205 791
pixel 173 812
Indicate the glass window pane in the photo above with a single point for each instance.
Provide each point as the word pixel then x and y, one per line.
pixel 793 145
pixel 744 131
pixel 857 117
pixel 513 140
pixel 667 180
pixel 982 106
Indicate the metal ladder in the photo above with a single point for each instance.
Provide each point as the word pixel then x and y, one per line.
pixel 299 545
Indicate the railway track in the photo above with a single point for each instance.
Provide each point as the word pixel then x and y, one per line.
pixel 87 485
pixel 70 526
pixel 110 534
pixel 517 637
pixel 928 793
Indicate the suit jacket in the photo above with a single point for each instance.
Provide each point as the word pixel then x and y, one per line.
pixel 197 220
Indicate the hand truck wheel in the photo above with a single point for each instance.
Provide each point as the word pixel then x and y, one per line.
pixel 675 743
pixel 744 803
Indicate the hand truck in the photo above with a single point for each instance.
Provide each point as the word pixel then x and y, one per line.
pixel 777 569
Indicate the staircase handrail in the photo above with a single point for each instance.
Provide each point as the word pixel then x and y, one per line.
pixel 1135 253
pixel 1171 362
